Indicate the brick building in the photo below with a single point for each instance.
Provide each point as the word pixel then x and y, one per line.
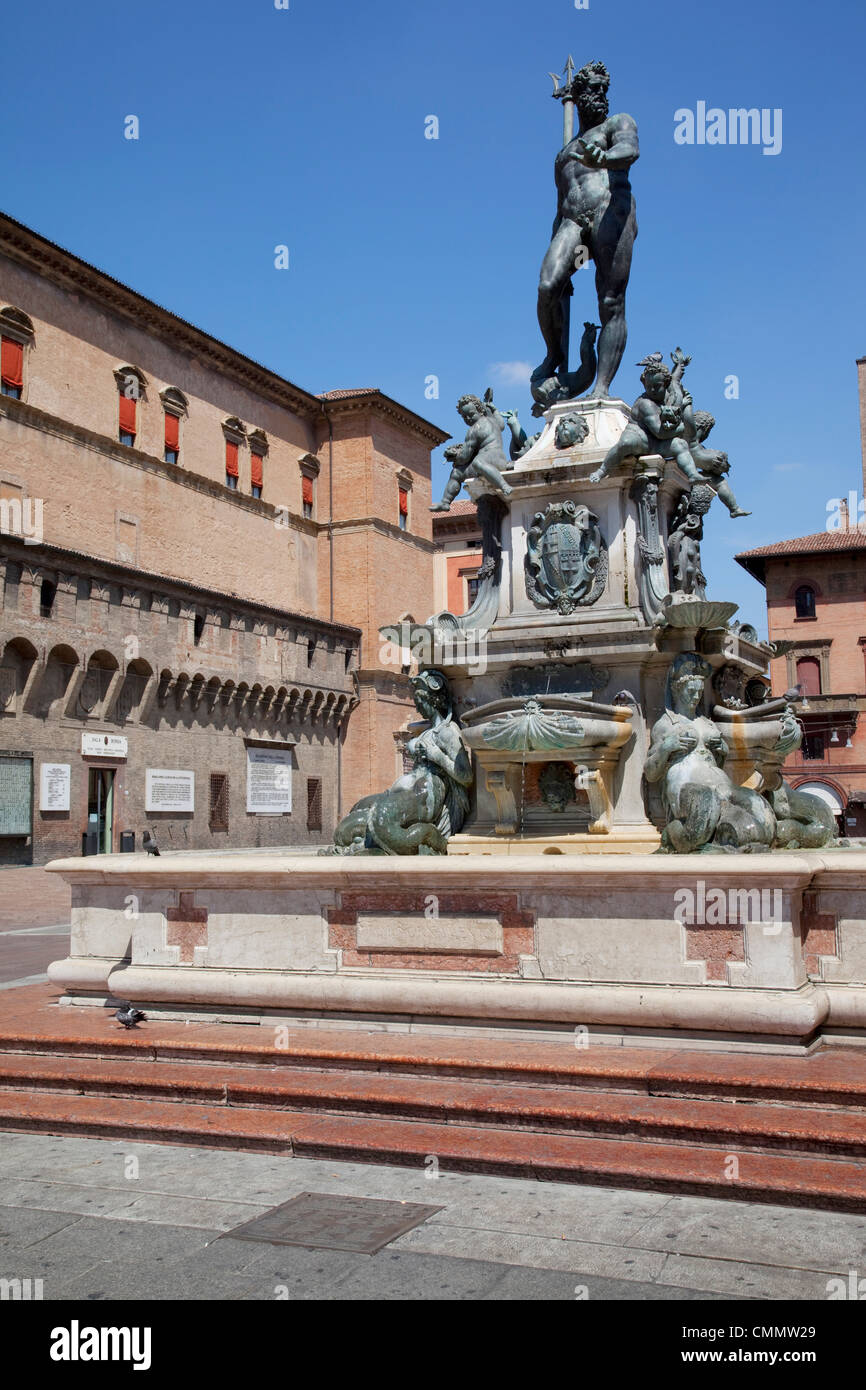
pixel 457 535
pixel 816 601
pixel 195 558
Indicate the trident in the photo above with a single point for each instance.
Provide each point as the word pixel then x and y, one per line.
pixel 562 92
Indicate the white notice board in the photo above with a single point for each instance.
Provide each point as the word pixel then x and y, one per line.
pixel 54 783
pixel 269 780
pixel 169 789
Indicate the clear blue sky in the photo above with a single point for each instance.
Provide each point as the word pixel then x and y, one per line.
pixel 412 257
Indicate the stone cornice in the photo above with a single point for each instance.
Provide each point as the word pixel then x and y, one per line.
pixel 385 528
pixel 380 404
pixel 47 259
pixel 57 556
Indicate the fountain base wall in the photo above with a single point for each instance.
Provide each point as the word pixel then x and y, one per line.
pixel 739 950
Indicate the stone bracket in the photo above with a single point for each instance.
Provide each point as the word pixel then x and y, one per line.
pixel 498 784
pixel 591 781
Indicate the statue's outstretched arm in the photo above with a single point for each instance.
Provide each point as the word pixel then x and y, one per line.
pixel 625 149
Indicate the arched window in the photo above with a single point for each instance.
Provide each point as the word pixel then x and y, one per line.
pixel 258 450
pixel 404 491
pixel 131 384
pixel 175 407
pixel 235 435
pixel 804 601
pixel 809 675
pixel 309 466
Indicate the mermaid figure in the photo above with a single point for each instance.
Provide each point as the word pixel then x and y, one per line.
pixel 426 805
pixel 706 812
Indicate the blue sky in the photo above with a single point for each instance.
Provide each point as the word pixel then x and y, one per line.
pixel 411 257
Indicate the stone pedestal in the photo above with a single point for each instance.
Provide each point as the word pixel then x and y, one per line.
pixel 582 612
pixel 702 950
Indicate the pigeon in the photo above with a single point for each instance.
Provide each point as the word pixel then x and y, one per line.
pixel 128 1015
pixel 149 843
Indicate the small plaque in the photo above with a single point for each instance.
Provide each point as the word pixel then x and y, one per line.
pixel 54 782
pixel 328 1221
pixel 269 781
pixel 394 931
pixel 104 746
pixel 169 789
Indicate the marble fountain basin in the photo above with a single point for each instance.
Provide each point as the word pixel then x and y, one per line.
pixel 506 735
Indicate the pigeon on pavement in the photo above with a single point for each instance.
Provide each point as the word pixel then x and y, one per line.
pixel 128 1015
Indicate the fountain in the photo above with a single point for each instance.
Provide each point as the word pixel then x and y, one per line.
pixel 594 833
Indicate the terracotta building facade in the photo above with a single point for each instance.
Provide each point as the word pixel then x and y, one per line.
pixel 457 534
pixel 195 558
pixel 816 602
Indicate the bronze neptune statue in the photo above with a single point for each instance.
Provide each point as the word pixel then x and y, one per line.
pixel 595 220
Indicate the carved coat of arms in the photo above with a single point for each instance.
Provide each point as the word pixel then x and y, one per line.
pixel 566 557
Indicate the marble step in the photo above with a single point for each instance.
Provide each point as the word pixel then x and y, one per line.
pixel 835 1184
pixel 745 1124
pixel 828 1079
pixel 31 1023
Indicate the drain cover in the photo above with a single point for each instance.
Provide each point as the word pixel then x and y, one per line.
pixel 326 1221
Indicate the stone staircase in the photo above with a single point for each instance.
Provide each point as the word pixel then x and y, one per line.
pixel 758 1126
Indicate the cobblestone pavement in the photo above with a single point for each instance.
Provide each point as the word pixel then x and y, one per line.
pixel 34 923
pixel 102 1219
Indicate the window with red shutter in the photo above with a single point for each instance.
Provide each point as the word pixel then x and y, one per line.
pixel 404 507
pixel 307 495
pixel 809 675
pixel 231 463
pixel 257 474
pixel 127 418
pixel 11 367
